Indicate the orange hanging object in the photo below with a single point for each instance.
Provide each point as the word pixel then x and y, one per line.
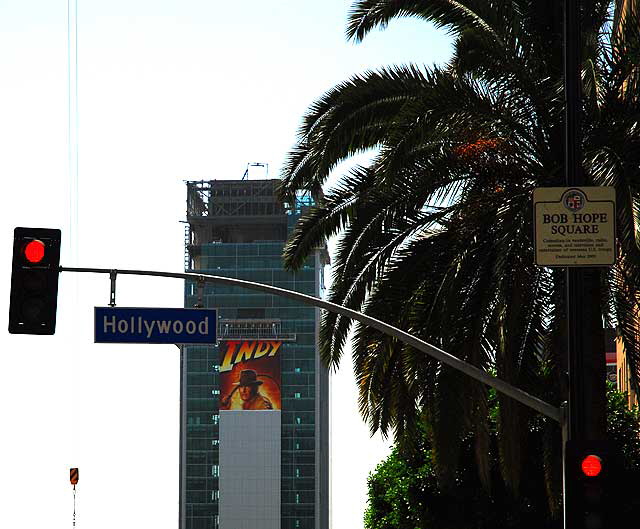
pixel 73 476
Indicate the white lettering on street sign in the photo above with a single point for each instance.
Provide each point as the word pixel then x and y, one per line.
pixel 155 325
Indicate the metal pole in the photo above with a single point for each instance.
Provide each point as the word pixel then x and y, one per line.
pixel 585 338
pixel 444 357
pixel 574 178
pixel 585 334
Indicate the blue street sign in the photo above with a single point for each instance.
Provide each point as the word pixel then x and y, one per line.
pixel 155 325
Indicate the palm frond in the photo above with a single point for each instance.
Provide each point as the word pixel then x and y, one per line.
pixel 456 15
pixel 434 234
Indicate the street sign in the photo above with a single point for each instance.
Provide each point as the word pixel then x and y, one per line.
pixel 155 325
pixel 575 226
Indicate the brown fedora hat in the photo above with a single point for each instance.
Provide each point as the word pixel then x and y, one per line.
pixel 248 377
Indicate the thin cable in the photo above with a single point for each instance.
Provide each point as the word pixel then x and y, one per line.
pixel 73 124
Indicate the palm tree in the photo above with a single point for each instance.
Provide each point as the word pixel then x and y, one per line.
pixel 434 235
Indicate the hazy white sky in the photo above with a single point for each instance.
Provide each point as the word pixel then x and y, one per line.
pixel 168 90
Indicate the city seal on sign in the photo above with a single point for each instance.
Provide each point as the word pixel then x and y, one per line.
pixel 574 200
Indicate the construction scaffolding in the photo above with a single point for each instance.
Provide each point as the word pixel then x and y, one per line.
pixel 236 211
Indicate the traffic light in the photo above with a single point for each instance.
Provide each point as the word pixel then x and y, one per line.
pixel 590 479
pixel 34 281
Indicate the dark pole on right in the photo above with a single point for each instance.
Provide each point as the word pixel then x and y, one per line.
pixel 585 343
pixel 574 178
pixel 585 334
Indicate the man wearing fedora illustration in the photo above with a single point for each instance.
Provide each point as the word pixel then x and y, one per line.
pixel 247 387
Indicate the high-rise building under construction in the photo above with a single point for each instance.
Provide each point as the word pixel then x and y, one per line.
pixel 254 406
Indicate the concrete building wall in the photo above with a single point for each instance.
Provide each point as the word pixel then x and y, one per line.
pixel 249 470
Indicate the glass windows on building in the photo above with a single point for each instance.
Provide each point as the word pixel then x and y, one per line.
pixel 298 382
pixel 259 261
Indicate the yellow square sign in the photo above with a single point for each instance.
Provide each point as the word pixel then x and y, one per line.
pixel 575 226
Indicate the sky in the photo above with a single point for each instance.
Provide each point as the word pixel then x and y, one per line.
pixel 167 91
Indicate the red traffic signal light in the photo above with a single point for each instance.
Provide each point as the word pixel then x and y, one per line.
pixel 591 466
pixel 34 281
pixel 34 251
pixel 590 484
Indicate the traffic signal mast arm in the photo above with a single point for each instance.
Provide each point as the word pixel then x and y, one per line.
pixel 478 374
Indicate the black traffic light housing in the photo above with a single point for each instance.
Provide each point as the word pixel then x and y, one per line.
pixel 34 281
pixel 591 477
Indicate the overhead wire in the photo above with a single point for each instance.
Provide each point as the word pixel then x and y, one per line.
pixel 73 125
pixel 73 179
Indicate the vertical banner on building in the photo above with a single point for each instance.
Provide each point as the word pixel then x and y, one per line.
pixel 250 375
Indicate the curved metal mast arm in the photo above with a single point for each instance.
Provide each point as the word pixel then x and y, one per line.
pixel 444 357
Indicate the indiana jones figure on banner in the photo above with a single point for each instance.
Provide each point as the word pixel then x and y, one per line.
pixel 247 387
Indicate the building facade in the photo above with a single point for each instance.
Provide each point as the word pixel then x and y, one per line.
pixel 258 461
pixel 627 380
